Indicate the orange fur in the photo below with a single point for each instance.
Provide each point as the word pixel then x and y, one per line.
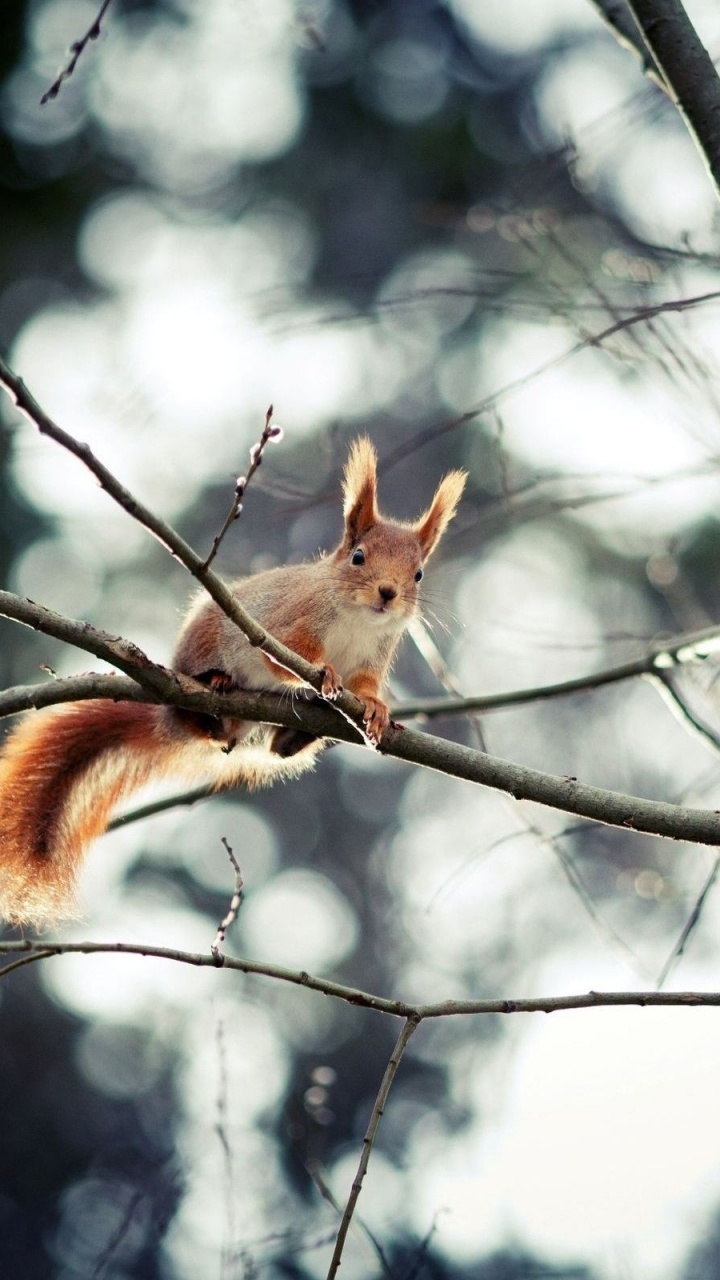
pixel 360 510
pixel 303 642
pixel 62 771
pixel 42 835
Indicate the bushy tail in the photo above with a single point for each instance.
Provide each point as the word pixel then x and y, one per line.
pixel 62 771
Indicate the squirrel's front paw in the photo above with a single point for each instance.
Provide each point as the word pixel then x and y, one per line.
pixel 376 718
pixel 332 685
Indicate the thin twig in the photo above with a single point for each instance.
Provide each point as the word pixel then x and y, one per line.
pixel 222 1131
pixel 423 1248
pixel 661 656
pixel 32 950
pixel 425 644
pixel 235 903
pixel 603 927
pixel 494 398
pixel 618 18
pixel 29 959
pixel 184 799
pixel 689 926
pixel 118 1235
pixel 77 48
pixel 705 731
pixel 403 1039
pixel 270 432
pixel 346 704
pixel 317 1174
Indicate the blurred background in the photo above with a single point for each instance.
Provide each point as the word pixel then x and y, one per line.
pixel 418 219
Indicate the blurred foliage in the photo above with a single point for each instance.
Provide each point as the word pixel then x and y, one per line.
pixel 430 203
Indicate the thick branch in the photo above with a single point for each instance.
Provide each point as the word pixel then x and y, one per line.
pixel 697 826
pixel 658 659
pixel 688 71
pixel 612 808
pixel 121 653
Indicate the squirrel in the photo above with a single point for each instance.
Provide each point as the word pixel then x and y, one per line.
pixel 63 770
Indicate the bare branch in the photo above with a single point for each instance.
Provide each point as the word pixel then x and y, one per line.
pixel 676 651
pixel 617 16
pixel 696 826
pixel 184 799
pixel 660 657
pixel 685 713
pixel 121 653
pixel 369 1140
pixel 30 950
pixel 101 1267
pixel 494 398
pixel 687 70
pixel 235 903
pixel 77 48
pixel 32 697
pixel 343 720
pixel 316 1172
pixel 689 927
pixel 348 705
pixel 269 433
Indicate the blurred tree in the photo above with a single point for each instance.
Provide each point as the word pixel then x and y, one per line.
pixel 389 216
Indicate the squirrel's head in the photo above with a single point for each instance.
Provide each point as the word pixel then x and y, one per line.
pixel 386 558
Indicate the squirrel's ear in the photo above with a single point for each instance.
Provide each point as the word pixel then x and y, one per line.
pixel 360 490
pixel 433 523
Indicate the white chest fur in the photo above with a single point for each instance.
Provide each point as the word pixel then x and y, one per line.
pixel 360 639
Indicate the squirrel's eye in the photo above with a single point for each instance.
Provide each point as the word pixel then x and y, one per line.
pixel 358 556
pixel 418 575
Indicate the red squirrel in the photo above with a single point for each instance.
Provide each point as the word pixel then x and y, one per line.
pixel 63 770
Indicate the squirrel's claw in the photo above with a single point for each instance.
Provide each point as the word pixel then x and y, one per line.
pixel 332 685
pixel 376 718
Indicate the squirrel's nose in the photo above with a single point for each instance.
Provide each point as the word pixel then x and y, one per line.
pixel 387 593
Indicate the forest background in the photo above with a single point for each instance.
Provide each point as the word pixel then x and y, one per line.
pixel 480 233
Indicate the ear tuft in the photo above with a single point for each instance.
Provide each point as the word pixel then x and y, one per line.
pixel 433 523
pixel 360 489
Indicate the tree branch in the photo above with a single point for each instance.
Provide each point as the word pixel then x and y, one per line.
pixel 616 15
pixel 696 826
pixel 676 651
pixel 120 653
pixel 658 659
pixel 77 48
pixel 343 720
pixel 687 70
pixel 690 925
pixel 403 1039
pixel 257 450
pixel 178 547
pixel 30 950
